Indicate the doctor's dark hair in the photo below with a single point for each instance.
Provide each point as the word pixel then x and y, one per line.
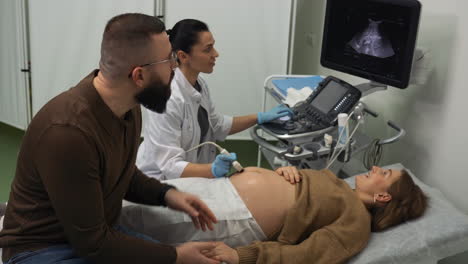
pixel 184 34
pixel 126 41
pixel 408 202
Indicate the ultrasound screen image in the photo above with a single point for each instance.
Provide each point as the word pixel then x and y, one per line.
pixel 372 42
pixel 373 39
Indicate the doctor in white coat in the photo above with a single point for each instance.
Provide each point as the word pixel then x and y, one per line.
pixel 190 117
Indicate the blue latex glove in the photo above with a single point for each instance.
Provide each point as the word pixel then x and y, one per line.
pixel 275 113
pixel 222 164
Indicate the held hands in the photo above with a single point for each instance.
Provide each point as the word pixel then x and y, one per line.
pixel 222 252
pixel 290 174
pixel 222 164
pixel 275 113
pixel 201 215
pixel 192 253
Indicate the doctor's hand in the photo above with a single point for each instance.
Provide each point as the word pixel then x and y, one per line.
pixel 275 113
pixel 223 253
pixel 290 174
pixel 222 164
pixel 191 253
pixel 190 204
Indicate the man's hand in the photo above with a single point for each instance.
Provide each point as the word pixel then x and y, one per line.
pixel 191 253
pixel 201 215
pixel 222 252
pixel 290 174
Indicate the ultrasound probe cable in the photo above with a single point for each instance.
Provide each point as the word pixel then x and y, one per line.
pixel 235 163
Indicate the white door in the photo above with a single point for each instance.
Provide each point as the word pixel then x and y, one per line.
pixel 66 38
pixel 252 38
pixel 14 83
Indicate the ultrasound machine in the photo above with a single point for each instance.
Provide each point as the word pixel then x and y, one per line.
pixel 371 39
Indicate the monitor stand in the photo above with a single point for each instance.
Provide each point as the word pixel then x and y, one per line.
pixel 370 87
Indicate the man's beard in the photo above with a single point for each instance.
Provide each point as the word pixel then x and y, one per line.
pixel 155 96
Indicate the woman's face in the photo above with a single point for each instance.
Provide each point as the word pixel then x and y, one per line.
pixel 203 55
pixel 377 180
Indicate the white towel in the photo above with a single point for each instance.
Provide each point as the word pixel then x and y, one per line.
pixel 236 225
pixel 294 96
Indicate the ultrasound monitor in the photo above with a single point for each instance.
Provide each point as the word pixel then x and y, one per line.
pixel 372 39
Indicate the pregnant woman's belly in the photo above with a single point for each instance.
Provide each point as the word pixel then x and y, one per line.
pixel 267 195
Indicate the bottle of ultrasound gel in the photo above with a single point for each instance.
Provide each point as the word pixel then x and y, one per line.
pixel 343 126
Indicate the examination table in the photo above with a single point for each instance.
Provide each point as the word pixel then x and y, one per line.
pixel 440 233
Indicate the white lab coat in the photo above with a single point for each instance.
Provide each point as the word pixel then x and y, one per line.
pixel 167 136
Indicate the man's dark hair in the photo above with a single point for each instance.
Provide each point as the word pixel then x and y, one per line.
pixel 125 43
pixel 184 34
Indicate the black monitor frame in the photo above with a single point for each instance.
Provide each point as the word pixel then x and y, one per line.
pixel 414 9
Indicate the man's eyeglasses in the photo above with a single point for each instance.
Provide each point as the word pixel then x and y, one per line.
pixel 172 60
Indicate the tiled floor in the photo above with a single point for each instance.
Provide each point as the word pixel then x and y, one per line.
pixel 10 141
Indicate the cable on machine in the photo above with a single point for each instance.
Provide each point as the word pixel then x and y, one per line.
pixel 235 163
pixel 334 152
pixel 373 154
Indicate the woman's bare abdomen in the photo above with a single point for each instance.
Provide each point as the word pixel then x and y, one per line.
pixel 267 195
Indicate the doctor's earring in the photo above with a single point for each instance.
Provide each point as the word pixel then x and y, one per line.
pixel 374 199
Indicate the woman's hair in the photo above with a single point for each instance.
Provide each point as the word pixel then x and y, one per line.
pixel 184 34
pixel 408 202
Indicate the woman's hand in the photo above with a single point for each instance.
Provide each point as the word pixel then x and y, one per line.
pixel 222 252
pixel 192 253
pixel 290 174
pixel 201 215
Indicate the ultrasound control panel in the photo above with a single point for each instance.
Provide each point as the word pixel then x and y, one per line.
pixel 320 110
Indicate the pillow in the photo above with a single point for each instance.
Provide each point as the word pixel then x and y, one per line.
pixel 441 232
